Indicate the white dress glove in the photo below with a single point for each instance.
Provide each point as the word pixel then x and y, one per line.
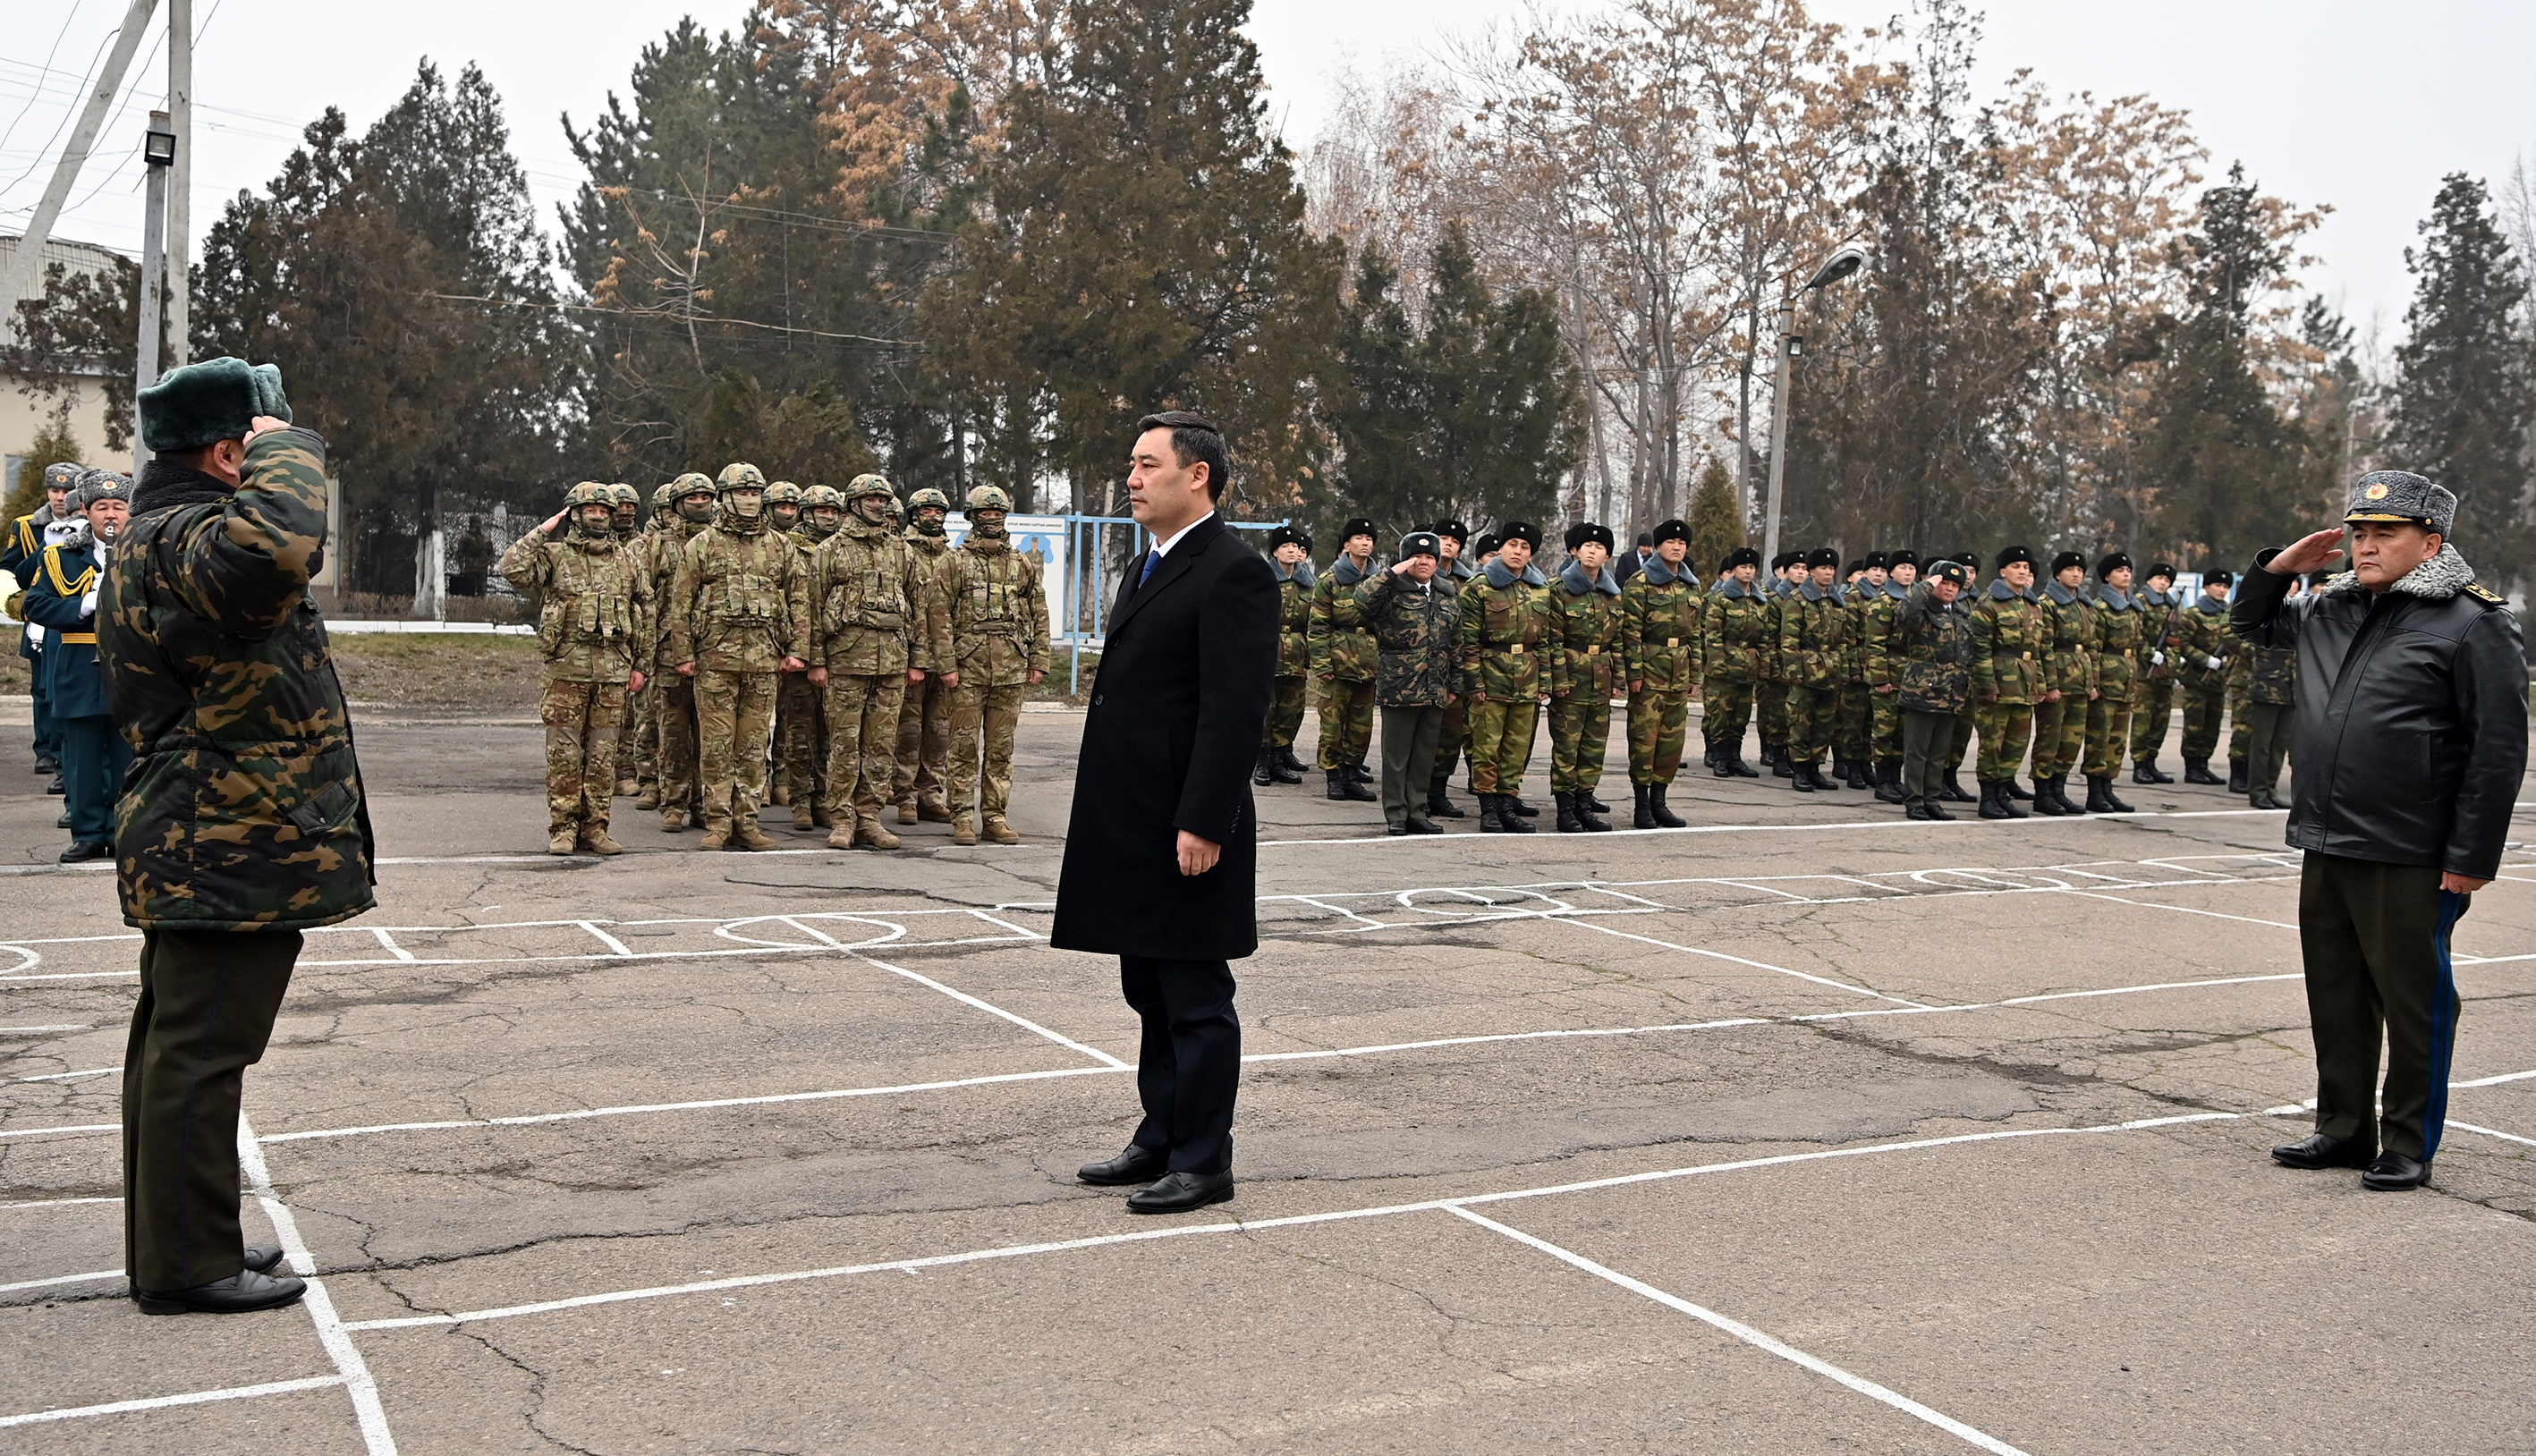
pixel 2157 659
pixel 88 603
pixel 34 637
pixel 2214 663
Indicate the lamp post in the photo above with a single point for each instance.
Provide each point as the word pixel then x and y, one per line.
pixel 159 150
pixel 1838 266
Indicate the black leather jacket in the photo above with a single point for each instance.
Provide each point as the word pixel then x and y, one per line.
pixel 2412 713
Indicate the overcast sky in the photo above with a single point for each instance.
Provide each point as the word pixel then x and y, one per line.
pixel 2361 106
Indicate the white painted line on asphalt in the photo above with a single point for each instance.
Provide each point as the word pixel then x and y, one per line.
pixel 354 1370
pixel 81 1127
pixel 1748 1335
pixel 69 1076
pixel 2508 1137
pixel 2495 1081
pixel 53 1203
pixel 388 944
pixel 1024 1022
pixel 1720 955
pixel 614 945
pixel 2187 910
pixel 30 1031
pixel 165 1402
pixel 38 1284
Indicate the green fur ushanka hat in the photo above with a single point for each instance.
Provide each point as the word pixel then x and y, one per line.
pixel 215 400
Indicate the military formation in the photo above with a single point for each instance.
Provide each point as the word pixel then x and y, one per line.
pixel 1883 674
pixel 762 643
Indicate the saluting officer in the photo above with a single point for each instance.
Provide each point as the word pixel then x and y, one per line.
pixel 1504 627
pixel 1415 620
pixel 594 626
pixel 1342 665
pixel 1450 739
pixel 2070 682
pixel 1736 635
pixel 2160 655
pixel 1663 614
pixel 1586 618
pixel 1290 552
pixel 2203 670
pixel 2119 629
pixel 2010 642
pixel 1813 650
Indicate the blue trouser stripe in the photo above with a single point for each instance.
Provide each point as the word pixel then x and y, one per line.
pixel 2444 1024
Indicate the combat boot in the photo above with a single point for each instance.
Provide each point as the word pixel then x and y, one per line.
pixel 778 796
pixel 1938 810
pixel 627 787
pixel 1742 770
pixel 1587 815
pixel 716 836
pixel 964 829
pixel 1799 778
pixel 1953 792
pixel 1642 814
pixel 562 840
pixel 820 818
pixel 1781 765
pixel 2043 803
pixel 1335 783
pixel 673 820
pixel 1287 760
pixel 1259 774
pixel 2238 769
pixel 1587 802
pixel 649 799
pixel 2111 797
pixel 1352 786
pixel 1991 808
pixel 1439 806
pixel 1510 813
pixel 2008 786
pixel 1859 777
pixel 1279 772
pixel 842 837
pixel 750 837
pixel 2100 794
pixel 1566 813
pixel 868 833
pixel 930 808
pixel 2197 770
pixel 595 840
pixel 997 832
pixel 2069 808
pixel 2146 771
pixel 1661 812
pixel 1888 781
pixel 2009 802
pixel 1514 804
pixel 907 809
pixel 1490 820
pixel 805 816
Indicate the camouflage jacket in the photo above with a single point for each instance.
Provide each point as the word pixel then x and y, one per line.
pixel 876 607
pixel 1414 632
pixel 2205 635
pixel 1340 648
pixel 2068 622
pixel 1587 620
pixel 659 551
pixel 1872 611
pixel 2271 672
pixel 243 807
pixel 740 601
pixel 2162 635
pixel 1504 631
pixel 997 609
pixel 1813 639
pixel 2011 647
pixel 1295 619
pixel 1739 630
pixel 1933 653
pixel 2121 642
pixel 593 596
pixel 1663 615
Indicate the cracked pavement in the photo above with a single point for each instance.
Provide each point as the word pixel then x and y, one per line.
pixel 473 1100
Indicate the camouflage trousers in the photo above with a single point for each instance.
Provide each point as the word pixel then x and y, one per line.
pixel 862 716
pixel 1854 725
pixel 583 720
pixel 2150 713
pixel 1658 722
pixel 991 714
pixel 2109 724
pixel 629 739
pixel 2203 710
pixel 802 740
pixel 1580 730
pixel 2060 736
pixel 1725 711
pixel 1501 732
pixel 673 710
pixel 2007 729
pixel 2240 722
pixel 1884 728
pixel 735 717
pixel 1770 706
pixel 1285 714
pixel 923 741
pixel 647 736
pixel 1450 741
pixel 1812 722
pixel 1346 723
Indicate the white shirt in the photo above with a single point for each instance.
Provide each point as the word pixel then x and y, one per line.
pixel 1164 549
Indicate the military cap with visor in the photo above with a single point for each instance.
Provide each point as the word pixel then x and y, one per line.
pixel 1949 571
pixel 2402 496
pixel 1421 543
pixel 2113 561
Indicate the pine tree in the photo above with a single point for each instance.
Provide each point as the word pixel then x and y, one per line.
pixel 1377 411
pixel 1716 526
pixel 2464 390
pixel 53 444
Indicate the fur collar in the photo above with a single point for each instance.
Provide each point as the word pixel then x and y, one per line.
pixel 2000 591
pixel 2109 595
pixel 1659 575
pixel 1733 588
pixel 2214 605
pixel 1573 578
pixel 163 485
pixel 2436 580
pixel 2061 596
pixel 1346 572
pixel 1301 575
pixel 1501 578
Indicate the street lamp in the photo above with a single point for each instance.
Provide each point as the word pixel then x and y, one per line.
pixel 158 149
pixel 1838 266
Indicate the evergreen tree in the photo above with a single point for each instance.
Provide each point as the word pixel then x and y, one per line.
pixel 1376 403
pixel 53 444
pixel 1716 526
pixel 2464 392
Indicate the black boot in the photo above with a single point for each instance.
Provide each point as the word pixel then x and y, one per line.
pixel 1779 766
pixel 2111 797
pixel 1993 803
pixel 1821 784
pixel 1566 813
pixel 2157 774
pixel 1356 786
pixel 2238 768
pixel 1489 821
pixel 1287 760
pixel 2100 794
pixel 2044 803
pixel 1860 778
pixel 1515 805
pixel 1953 792
pixel 1438 806
pixel 1337 780
pixel 1589 803
pixel 1721 763
pixel 1938 810
pixel 2197 770
pixel 2069 807
pixel 1510 809
pixel 1282 769
pixel 1888 781
pixel 2008 786
pixel 2014 809
pixel 1742 770
pixel 1259 773
pixel 1801 777
pixel 1663 813
pixel 1642 815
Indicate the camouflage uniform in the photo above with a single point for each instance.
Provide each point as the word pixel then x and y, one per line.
pixel 1814 655
pixel 1455 735
pixel 1662 652
pixel 595 625
pixel 999 626
pixel 2120 629
pixel 1932 655
pixel 1294 656
pixel 673 698
pixel 2204 636
pixel 2271 711
pixel 2154 702
pixel 1738 633
pixel 924 719
pixel 2241 724
pixel 1505 630
pixel 797 770
pixel 1586 617
pixel 878 616
pixel 1342 665
pixel 643 551
pixel 1770 690
pixel 1415 633
pixel 737 610
pixel 1874 610
pixel 2061 728
pixel 2010 653
pixel 627 503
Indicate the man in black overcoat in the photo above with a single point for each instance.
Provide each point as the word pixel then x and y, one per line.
pixel 1161 854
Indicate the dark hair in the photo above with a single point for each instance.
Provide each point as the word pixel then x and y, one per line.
pixel 1194 437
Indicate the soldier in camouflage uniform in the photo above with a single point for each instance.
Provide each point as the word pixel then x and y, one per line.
pixel 1455 736
pixel 1415 620
pixel 2206 649
pixel 1901 573
pixel 2011 647
pixel 2271 712
pixel 2160 649
pixel 595 628
pixel 1737 630
pixel 1869 709
pixel 924 719
pixel 680 798
pixel 1505 630
pixel 1344 663
pixel 1663 627
pixel 1584 665
pixel 999 649
pixel 1854 721
pixel 1770 695
pixel 626 520
pixel 796 775
pixel 879 626
pixel 2069 681
pixel 1814 653
pixel 241 822
pixel 2121 630
pixel 1932 655
pixel 739 619
pixel 1292 552
pixel 644 552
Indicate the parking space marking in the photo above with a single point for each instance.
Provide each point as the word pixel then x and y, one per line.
pixel 352 1371
pixel 166 1402
pixel 1748 1334
pixel 38 1284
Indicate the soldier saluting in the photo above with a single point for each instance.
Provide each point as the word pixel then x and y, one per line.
pixel 595 631
pixel 1413 617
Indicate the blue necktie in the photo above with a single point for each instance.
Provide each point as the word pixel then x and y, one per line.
pixel 1151 560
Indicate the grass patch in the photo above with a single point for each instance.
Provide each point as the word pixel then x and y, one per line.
pixel 442 671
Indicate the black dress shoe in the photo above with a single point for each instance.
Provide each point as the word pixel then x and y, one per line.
pixel 1423 826
pixel 262 1257
pixel 91 850
pixel 45 763
pixel 1179 1192
pixel 1397 828
pixel 2393 1172
pixel 238 1293
pixel 56 787
pixel 64 822
pixel 2321 1151
pixel 1135 1166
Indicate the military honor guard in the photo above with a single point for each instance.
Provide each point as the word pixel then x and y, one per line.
pixel 1342 665
pixel 61 601
pixel 47 525
pixel 739 614
pixel 594 631
pixel 1663 618
pixel 1737 631
pixel 998 651
pixel 924 719
pixel 2160 653
pixel 879 626
pixel 2070 684
pixel 1290 552
pixel 2202 669
pixel 1932 658
pixel 2009 652
pixel 1504 628
pixel 2119 630
pixel 1867 701
pixel 1586 621
pixel 1455 735
pixel 1770 696
pixel 1814 653
pixel 1414 619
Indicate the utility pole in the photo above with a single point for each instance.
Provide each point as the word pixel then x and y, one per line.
pixel 26 269
pixel 159 150
pixel 179 235
pixel 1778 426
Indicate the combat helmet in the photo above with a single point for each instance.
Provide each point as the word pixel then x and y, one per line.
pixel 928 496
pixel 868 483
pixel 623 494
pixel 989 498
pixel 786 494
pixel 815 496
pixel 585 495
pixel 739 476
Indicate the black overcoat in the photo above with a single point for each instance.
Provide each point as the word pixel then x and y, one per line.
pixel 1169 744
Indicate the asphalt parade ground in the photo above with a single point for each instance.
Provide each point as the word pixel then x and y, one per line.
pixel 1805 1129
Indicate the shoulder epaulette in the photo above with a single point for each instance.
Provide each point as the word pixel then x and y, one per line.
pixel 2485 593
